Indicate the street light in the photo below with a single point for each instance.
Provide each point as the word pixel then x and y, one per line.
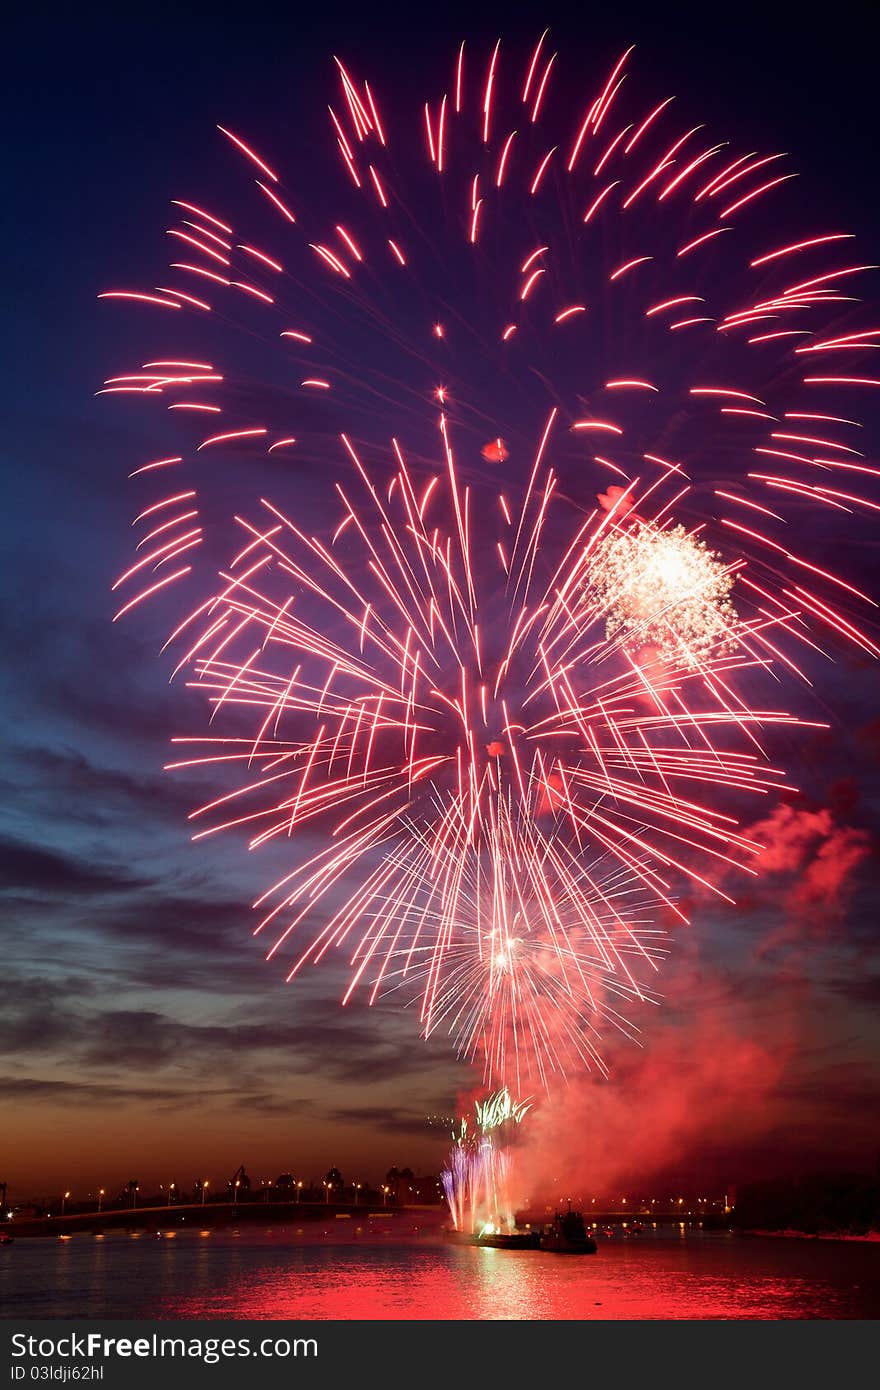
pixel 327 1187
pixel 64 1198
pixel 384 1195
pixel 204 1190
pixel 357 1188
pixel 235 1191
pixel 298 1190
pixel 171 1187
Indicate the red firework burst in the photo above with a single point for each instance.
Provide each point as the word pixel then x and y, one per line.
pixel 513 707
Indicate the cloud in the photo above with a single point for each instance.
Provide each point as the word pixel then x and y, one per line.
pixel 40 1089
pixel 46 1092
pixel 810 859
pixel 389 1118
pixel 87 1024
pixel 858 989
pixel 41 871
pixel 34 1031
pixel 799 887
pixel 74 787
pixel 67 655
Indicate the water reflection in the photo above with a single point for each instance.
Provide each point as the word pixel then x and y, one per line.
pixel 719 1280
pixel 375 1275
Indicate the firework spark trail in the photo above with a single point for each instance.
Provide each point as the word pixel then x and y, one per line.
pixel 541 952
pixel 476 1179
pixel 464 731
pixel 470 687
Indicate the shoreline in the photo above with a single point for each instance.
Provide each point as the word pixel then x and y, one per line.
pixel 871 1237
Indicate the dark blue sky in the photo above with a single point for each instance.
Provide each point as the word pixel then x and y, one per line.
pixel 140 1026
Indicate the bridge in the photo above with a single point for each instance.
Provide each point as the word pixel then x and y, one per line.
pixel 204 1215
pixel 434 1215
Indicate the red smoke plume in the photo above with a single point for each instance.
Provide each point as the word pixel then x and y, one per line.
pixel 718 1072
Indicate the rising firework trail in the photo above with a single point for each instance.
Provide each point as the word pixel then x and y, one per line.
pixel 586 415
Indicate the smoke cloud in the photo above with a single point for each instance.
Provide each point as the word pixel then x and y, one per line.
pixel 720 1073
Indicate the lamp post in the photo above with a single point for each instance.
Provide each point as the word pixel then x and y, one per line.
pixel 384 1195
pixel 327 1187
pixel 235 1192
pixel 100 1197
pixel 204 1190
pixel 357 1193
pixel 298 1190
pixel 64 1197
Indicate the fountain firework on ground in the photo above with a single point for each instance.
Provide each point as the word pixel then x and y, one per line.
pixel 476 1180
pixel 511 717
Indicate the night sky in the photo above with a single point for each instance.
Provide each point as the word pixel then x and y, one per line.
pixel 141 1033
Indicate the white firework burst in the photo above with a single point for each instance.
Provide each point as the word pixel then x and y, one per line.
pixel 667 590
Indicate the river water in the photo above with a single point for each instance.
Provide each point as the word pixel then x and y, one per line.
pixel 368 1272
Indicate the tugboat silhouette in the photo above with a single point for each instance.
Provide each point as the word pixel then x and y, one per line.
pixel 567 1235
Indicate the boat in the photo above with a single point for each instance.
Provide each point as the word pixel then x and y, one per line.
pixel 567 1235
pixel 458 1237
pixel 510 1240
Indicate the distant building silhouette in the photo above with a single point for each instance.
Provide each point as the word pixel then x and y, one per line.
pixel 333 1183
pixel 239 1184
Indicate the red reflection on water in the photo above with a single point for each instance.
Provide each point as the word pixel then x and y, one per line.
pixel 372 1276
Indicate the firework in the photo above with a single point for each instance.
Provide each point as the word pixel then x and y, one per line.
pixel 468 747
pixel 496 721
pixel 665 589
pixel 476 1180
pixel 543 954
